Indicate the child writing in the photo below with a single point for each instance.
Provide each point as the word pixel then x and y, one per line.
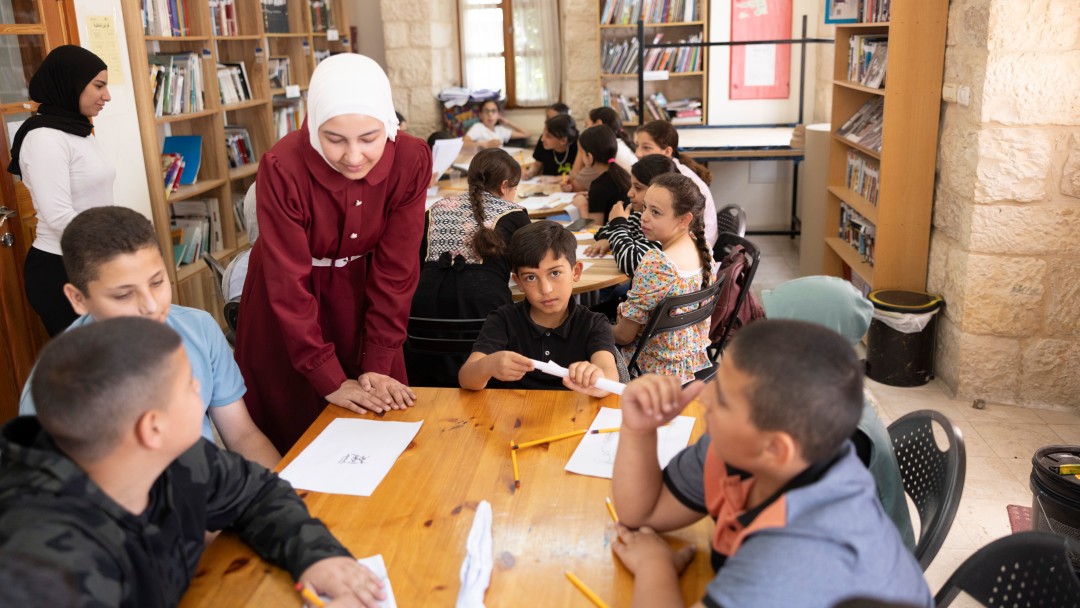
pixel 493 129
pixel 115 269
pixel 776 471
pixel 466 272
pixel 548 326
pixel 683 264
pixel 555 152
pixel 596 150
pixel 581 176
pixel 661 137
pixel 113 483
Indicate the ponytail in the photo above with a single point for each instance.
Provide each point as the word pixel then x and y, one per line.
pixel 687 198
pixel 487 172
pixel 666 136
pixel 599 141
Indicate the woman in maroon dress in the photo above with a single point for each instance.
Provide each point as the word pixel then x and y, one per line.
pixel 340 204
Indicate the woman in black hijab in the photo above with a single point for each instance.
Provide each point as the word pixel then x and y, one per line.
pixel 61 164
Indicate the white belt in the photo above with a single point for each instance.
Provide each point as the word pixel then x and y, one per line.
pixel 338 263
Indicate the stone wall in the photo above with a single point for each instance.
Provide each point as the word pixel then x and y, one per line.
pixel 1005 246
pixel 581 55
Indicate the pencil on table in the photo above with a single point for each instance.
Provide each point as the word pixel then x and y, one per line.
pixel 529 444
pixel 595 599
pixel 513 459
pixel 309 596
pixel 611 509
pixel 614 429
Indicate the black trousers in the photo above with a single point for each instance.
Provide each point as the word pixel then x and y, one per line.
pixel 45 277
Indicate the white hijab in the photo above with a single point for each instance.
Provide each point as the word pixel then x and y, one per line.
pixel 349 84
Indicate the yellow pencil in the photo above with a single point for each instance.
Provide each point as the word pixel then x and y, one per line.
pixel 309 596
pixel 513 459
pixel 595 599
pixel 529 444
pixel 611 430
pixel 611 509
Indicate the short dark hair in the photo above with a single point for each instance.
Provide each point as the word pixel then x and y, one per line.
pixel 436 136
pixel 92 382
pixel 560 107
pixel 562 126
pixel 400 116
pixel 100 234
pixel 650 166
pixel 804 380
pixel 531 243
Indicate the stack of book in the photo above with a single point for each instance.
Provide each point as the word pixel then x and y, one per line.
pixel 627 108
pixel 866 60
pixel 858 232
pixel 280 73
pixel 196 227
pixel 275 16
pixel 619 56
pixel 288 115
pixel 627 12
pixel 322 15
pixel 655 106
pixel 864 127
pixel 874 11
pixel 177 83
pixel 223 17
pixel 233 82
pixel 682 59
pixel 166 18
pixel 172 167
pixel 684 111
pixel 861 176
pixel 238 146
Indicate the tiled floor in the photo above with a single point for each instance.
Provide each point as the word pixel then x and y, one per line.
pixel 999 439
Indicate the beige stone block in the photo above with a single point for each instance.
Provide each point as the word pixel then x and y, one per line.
pixel 395 34
pixel 1063 301
pixel 1025 229
pixel 420 35
pixel 958 152
pixel 988 368
pixel 1051 373
pixel 444 36
pixel 1003 296
pixel 1032 88
pixel 937 264
pixel 1013 165
pixel 414 11
pixel 947 354
pixel 1033 25
pixel 954 283
pixel 952 214
pixel 409 67
pixel 1070 173
pixel 588 10
pixel 967 65
pixel 581 96
pixel 969 22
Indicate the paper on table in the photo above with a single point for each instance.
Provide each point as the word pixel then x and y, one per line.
pixel 583 236
pixel 595 455
pixel 377 566
pixel 479 559
pixel 443 154
pixel 581 254
pixel 350 456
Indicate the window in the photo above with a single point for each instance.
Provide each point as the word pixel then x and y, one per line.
pixel 521 59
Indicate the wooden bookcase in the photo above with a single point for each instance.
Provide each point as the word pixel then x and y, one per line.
pixel 193 284
pixel 908 155
pixel 677 85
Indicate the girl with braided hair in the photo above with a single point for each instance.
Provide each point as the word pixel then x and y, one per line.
pixel 465 273
pixel 673 216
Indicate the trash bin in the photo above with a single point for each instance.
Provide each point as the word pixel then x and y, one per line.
pixel 900 343
pixel 1055 495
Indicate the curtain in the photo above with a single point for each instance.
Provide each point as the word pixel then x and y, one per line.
pixel 482 44
pixel 537 52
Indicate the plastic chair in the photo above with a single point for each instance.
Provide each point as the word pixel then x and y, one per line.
pixel 724 244
pixel 663 318
pixel 1025 569
pixel 731 219
pixel 932 478
pixel 442 336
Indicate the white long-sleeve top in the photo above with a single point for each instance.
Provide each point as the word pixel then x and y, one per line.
pixel 66 175
pixel 711 230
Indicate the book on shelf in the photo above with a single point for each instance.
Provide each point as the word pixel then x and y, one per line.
pixel 233 82
pixel 177 82
pixel 874 11
pixel 866 60
pixel 322 15
pixel 288 115
pixel 189 148
pixel 223 17
pixel 204 213
pixel 626 107
pixel 628 12
pixel 238 146
pixel 166 18
pixel 861 176
pixel 172 167
pixel 619 56
pixel 280 72
pixel 238 211
pixel 275 16
pixel 864 126
pixel 858 232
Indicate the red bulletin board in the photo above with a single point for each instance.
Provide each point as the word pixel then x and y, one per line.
pixel 760 71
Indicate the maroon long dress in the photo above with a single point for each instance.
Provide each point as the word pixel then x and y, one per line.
pixel 304 329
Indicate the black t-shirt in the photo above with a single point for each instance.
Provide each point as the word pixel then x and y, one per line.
pixel 603 194
pixel 510 327
pixel 551 160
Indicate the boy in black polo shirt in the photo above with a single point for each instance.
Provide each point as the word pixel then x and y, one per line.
pixel 548 326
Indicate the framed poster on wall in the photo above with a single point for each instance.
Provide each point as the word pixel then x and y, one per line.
pixel 760 71
pixel 841 11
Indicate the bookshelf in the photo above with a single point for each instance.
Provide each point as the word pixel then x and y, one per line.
pixel 882 175
pixel 224 33
pixel 684 73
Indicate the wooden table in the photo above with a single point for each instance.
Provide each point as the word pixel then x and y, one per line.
pixel 420 515
pixel 460 185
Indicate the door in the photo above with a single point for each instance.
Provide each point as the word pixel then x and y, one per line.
pixel 28 30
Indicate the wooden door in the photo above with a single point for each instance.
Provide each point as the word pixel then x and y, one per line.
pixel 29 29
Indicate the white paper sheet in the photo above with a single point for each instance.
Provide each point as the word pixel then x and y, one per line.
pixel 595 455
pixel 479 559
pixel 554 369
pixel 547 201
pixel 350 456
pixel 443 154
pixel 583 236
pixel 581 254
pixel 760 65
pixel 376 564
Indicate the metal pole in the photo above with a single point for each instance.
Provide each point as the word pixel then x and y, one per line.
pixel 641 71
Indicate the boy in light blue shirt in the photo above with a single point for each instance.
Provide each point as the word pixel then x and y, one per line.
pixel 115 269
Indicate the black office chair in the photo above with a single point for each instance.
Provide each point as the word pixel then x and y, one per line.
pixel 232 314
pixel 219 275
pixel 934 479
pixel 731 219
pixel 724 245
pixel 442 336
pixel 1026 569
pixel 664 318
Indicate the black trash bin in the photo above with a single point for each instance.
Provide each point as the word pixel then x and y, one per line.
pixel 1055 496
pixel 895 357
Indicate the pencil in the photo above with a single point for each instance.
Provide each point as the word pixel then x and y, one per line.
pixel 611 509
pixel 595 599
pixel 611 430
pixel 529 444
pixel 309 596
pixel 513 459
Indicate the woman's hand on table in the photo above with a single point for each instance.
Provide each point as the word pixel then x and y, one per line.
pixel 394 394
pixel 354 397
pixel 597 249
pixel 344 580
